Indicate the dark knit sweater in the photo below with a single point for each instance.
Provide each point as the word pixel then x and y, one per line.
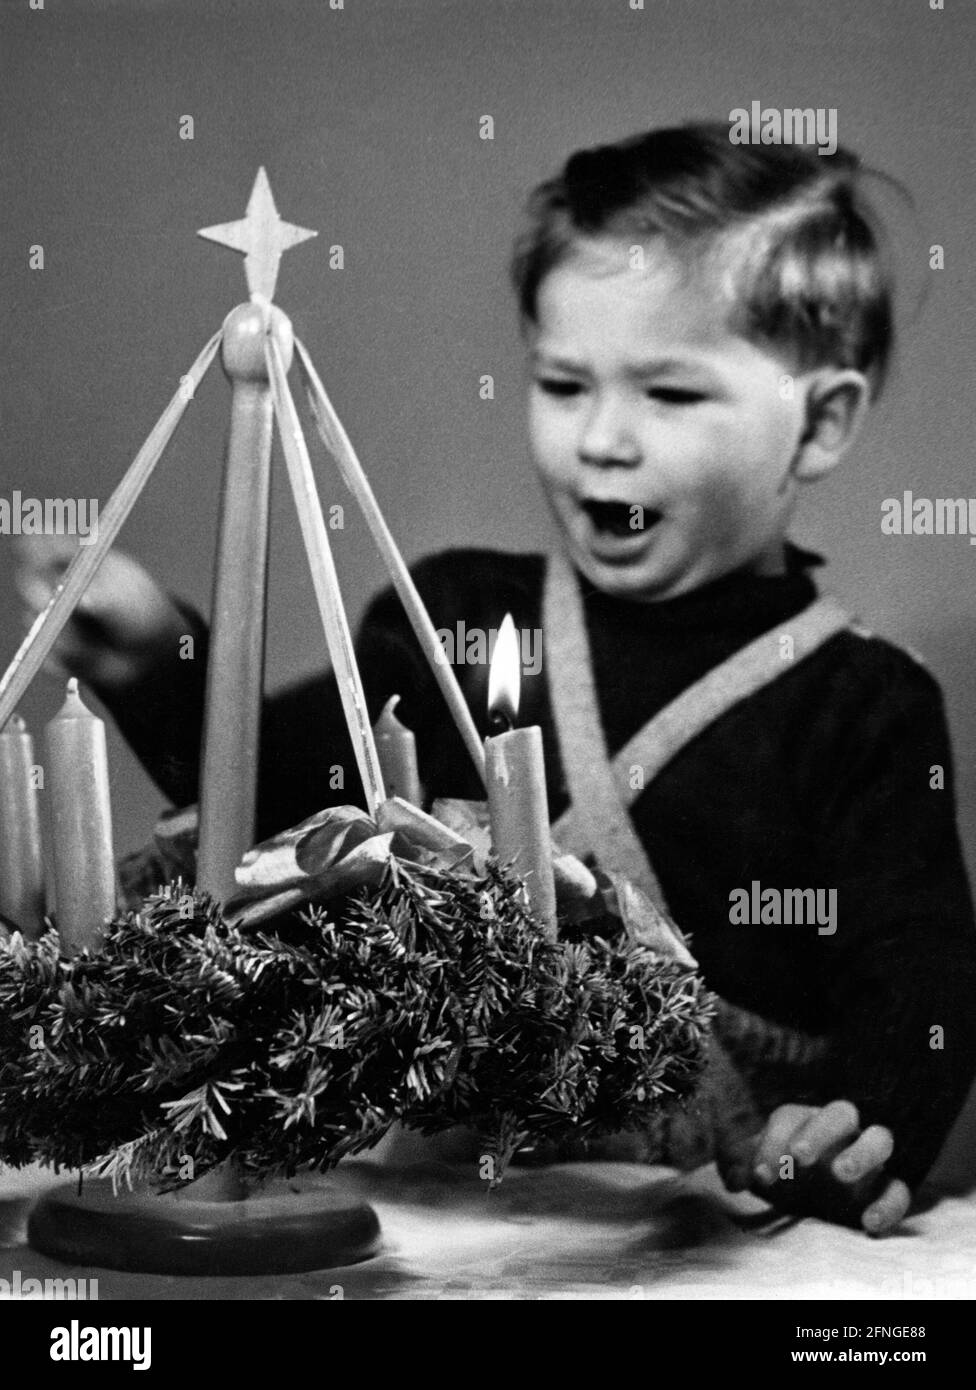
pixel 820 780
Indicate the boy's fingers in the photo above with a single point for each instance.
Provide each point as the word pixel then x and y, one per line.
pixel 56 669
pixel 869 1152
pixel 34 589
pixel 737 1171
pixel 776 1140
pixel 736 1151
pixel 67 656
pixel 48 556
pixel 888 1210
pixel 826 1129
pixel 56 662
pixel 736 1160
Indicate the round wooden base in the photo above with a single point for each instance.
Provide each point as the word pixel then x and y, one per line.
pixel 277 1232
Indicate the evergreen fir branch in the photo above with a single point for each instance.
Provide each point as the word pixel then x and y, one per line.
pixel 433 1000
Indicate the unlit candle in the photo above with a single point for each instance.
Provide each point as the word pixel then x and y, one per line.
pixel 81 824
pixel 21 860
pixel 396 748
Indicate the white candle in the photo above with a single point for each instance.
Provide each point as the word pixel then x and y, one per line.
pixel 81 824
pixel 516 778
pixel 396 748
pixel 21 861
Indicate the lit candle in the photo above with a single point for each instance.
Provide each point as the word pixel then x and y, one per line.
pixel 21 862
pixel 81 824
pixel 396 749
pixel 516 776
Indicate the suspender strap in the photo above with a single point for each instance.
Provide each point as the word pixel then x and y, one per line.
pixel 597 820
pixel 601 794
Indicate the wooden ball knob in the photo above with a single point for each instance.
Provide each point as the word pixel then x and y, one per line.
pixel 242 349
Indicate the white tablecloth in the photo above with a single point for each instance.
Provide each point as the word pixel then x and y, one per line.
pixel 573 1231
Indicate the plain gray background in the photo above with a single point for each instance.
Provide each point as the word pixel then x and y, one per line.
pixel 367 120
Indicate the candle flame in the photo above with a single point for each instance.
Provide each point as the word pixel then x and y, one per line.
pixel 504 672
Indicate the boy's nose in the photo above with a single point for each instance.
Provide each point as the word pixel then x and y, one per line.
pixel 607 437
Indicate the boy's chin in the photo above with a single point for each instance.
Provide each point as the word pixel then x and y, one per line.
pixel 645 580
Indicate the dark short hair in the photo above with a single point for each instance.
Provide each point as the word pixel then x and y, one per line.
pixel 811 277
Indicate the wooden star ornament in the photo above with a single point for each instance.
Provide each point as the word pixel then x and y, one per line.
pixel 261 236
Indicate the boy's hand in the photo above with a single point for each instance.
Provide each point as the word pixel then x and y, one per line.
pixel 838 1169
pixel 120 627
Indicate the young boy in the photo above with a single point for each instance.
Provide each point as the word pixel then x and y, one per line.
pixel 706 325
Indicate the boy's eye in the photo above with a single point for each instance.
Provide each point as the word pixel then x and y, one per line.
pixel 557 386
pixel 675 395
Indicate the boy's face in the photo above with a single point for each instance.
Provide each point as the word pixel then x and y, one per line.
pixel 662 440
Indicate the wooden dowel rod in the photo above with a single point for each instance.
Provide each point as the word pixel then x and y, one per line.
pixel 339 445
pixel 325 580
pixel 46 628
pixel 235 666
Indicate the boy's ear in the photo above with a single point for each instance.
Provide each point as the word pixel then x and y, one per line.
pixel 837 401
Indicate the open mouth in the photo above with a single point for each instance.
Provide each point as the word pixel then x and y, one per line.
pixel 619 519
